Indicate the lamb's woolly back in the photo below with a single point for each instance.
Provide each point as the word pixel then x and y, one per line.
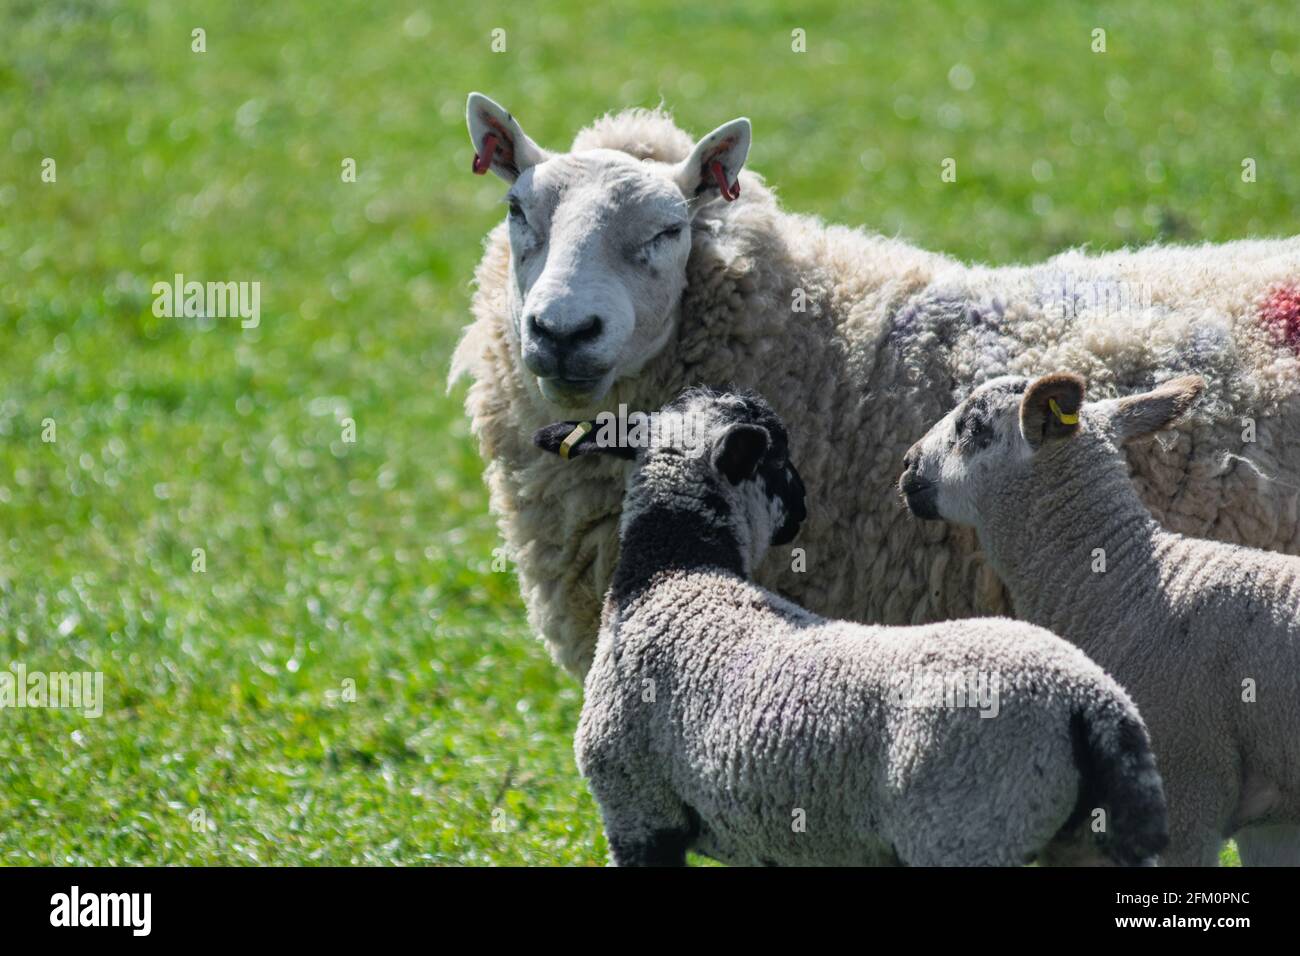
pixel 890 335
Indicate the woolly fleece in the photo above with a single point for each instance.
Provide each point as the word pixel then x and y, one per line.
pixel 892 335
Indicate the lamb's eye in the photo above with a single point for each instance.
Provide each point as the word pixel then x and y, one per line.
pixel 972 429
pixel 517 211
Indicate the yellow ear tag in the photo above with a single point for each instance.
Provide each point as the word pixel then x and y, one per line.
pixel 1063 418
pixel 573 438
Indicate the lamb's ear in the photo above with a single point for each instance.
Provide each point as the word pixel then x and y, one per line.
pixel 575 439
pixel 500 144
pixel 713 168
pixel 1159 408
pixel 1050 407
pixel 738 452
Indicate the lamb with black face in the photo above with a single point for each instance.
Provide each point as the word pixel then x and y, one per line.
pixel 723 454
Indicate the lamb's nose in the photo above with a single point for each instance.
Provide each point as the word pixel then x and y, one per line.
pixel 912 457
pixel 563 335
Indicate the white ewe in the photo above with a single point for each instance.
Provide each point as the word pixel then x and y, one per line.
pixel 623 275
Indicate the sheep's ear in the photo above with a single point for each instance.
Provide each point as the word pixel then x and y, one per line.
pixel 713 168
pixel 500 144
pixel 575 439
pixel 1159 408
pixel 1050 408
pixel 738 452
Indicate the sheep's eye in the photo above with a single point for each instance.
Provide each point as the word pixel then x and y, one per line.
pixel 517 211
pixel 972 428
pixel 672 232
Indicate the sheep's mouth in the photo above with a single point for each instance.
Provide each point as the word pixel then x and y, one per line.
pixel 570 392
pixel 921 497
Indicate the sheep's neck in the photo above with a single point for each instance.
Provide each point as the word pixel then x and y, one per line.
pixel 677 534
pixel 1079 559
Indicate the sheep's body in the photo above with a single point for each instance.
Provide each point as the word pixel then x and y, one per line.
pixel 721 717
pixel 1205 636
pixel 774 737
pixel 890 336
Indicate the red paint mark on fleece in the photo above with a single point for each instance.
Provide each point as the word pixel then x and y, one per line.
pixel 1280 314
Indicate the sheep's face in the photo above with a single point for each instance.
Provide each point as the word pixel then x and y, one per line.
pixel 598 245
pixel 598 248
pixel 743 452
pixel 995 451
pixel 978 450
pixel 724 456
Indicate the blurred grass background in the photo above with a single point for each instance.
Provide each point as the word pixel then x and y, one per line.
pixel 371 562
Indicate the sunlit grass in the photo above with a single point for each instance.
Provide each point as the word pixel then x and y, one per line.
pixel 366 565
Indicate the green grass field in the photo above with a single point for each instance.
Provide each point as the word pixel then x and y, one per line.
pixel 333 565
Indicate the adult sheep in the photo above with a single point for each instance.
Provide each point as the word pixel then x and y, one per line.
pixel 639 263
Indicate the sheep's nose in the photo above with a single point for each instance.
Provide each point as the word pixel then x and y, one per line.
pixel 909 460
pixel 562 334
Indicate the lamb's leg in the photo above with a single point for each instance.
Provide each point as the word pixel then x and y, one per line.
pixel 647 825
pixel 1202 788
pixel 1196 816
pixel 1277 845
pixel 657 848
pixel 1192 845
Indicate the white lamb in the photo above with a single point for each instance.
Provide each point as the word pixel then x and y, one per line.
pixel 623 275
pixel 1204 635
pixel 722 718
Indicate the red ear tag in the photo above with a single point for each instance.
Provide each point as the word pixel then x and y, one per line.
pixel 729 193
pixel 483 160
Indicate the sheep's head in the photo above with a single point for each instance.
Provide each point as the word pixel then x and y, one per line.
pixel 1001 445
pixel 723 455
pixel 598 247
